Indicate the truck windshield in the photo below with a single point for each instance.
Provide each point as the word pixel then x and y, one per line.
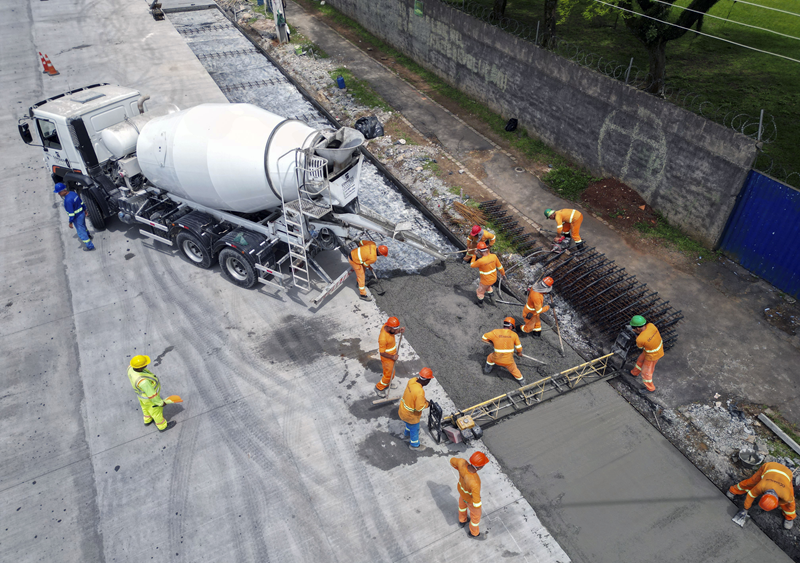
pixel 47 130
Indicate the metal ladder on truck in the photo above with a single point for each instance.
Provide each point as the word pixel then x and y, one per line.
pixel 312 182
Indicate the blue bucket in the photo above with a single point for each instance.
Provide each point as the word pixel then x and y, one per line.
pixel 340 82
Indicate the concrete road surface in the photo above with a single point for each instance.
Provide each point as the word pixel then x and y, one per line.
pixel 278 454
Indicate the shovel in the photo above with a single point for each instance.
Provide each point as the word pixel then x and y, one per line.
pixel 380 290
pixel 534 359
pixel 741 518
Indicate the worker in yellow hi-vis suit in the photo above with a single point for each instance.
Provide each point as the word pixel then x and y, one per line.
pixel 148 387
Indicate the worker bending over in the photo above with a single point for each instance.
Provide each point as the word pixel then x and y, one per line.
pixel 535 306
pixel 363 257
pixel 488 264
pixel 773 482
pixel 148 387
pixel 411 406
pixel 568 224
pixel 505 342
pixel 469 491
pixel 387 347
pixel 476 235
pixel 649 340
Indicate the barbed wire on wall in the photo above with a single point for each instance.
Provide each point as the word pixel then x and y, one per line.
pixel 764 130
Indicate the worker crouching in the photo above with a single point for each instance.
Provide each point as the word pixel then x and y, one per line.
pixel 148 388
pixel 477 235
pixel 388 349
pixel 773 483
pixel 505 342
pixel 469 491
pixel 363 257
pixel 411 406
pixel 488 265
pixel 649 340
pixel 535 306
pixel 568 224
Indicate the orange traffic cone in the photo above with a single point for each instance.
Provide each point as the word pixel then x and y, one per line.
pixel 44 66
pixel 48 66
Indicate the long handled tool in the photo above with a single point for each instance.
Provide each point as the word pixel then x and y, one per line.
pixel 391 378
pixel 380 290
pixel 534 359
pixel 558 330
pixel 459 251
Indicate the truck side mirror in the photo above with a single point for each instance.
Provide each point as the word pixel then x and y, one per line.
pixel 25 133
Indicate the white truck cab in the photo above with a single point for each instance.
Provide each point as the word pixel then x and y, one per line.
pixel 69 126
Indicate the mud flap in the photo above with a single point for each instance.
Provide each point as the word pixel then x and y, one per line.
pixel 435 421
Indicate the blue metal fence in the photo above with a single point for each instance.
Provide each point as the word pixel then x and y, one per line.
pixel 763 232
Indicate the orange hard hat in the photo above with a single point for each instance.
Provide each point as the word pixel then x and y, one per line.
pixel 548 281
pixel 426 373
pixel 509 321
pixel 482 245
pixel 478 459
pixel 769 500
pixel 475 230
pixel 393 322
pixel 383 250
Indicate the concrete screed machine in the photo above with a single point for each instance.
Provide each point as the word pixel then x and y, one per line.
pixel 261 193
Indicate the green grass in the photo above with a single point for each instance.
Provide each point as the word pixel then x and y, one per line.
pixel 568 182
pixel 360 90
pixel 731 78
pixel 778 447
pixel 433 167
pixel 455 190
pixel 674 236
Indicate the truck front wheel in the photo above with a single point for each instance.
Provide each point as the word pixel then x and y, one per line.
pixel 94 213
pixel 237 268
pixel 194 249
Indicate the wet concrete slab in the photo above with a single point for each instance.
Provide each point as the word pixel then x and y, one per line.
pixel 611 488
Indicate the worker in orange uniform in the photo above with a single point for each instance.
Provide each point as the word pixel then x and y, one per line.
pixel 649 340
pixel 147 386
pixel 535 307
pixel 476 235
pixel 469 491
pixel 411 406
pixel 363 257
pixel 773 482
pixel 505 342
pixel 488 264
pixel 387 347
pixel 568 224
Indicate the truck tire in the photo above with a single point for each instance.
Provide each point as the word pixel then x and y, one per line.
pixel 93 212
pixel 194 250
pixel 237 268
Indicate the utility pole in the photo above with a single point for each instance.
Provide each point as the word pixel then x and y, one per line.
pixel 281 26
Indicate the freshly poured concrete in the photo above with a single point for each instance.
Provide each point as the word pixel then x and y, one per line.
pixel 278 454
pixel 611 488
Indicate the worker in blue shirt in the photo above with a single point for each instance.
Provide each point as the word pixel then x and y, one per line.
pixel 77 214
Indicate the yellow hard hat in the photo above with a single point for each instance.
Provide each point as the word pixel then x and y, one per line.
pixel 138 362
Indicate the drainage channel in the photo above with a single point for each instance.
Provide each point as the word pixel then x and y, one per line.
pixel 245 75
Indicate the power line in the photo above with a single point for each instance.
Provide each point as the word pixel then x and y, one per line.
pixel 698 32
pixel 728 20
pixel 766 8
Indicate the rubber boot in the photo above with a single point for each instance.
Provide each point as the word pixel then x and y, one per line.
pixel 578 245
pixel 365 297
pixel 487 368
pixel 479 302
pixel 491 298
pixel 536 333
pixel 381 393
pixel 730 495
pixel 520 381
pixel 170 424
pixel 788 524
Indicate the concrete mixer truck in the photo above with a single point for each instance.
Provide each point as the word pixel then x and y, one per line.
pixel 259 193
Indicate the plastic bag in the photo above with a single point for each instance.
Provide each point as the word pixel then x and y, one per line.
pixel 512 124
pixel 370 127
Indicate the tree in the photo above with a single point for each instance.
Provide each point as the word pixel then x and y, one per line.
pixel 654 35
pixel 500 7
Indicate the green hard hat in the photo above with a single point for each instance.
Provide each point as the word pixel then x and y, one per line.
pixel 638 320
pixel 547 213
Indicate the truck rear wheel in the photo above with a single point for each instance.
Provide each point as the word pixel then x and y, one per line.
pixel 194 249
pixel 237 268
pixel 94 213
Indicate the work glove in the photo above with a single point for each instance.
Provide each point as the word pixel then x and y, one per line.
pixel 560 239
pixel 529 316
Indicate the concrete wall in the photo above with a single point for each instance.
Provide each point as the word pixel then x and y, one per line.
pixel 688 168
